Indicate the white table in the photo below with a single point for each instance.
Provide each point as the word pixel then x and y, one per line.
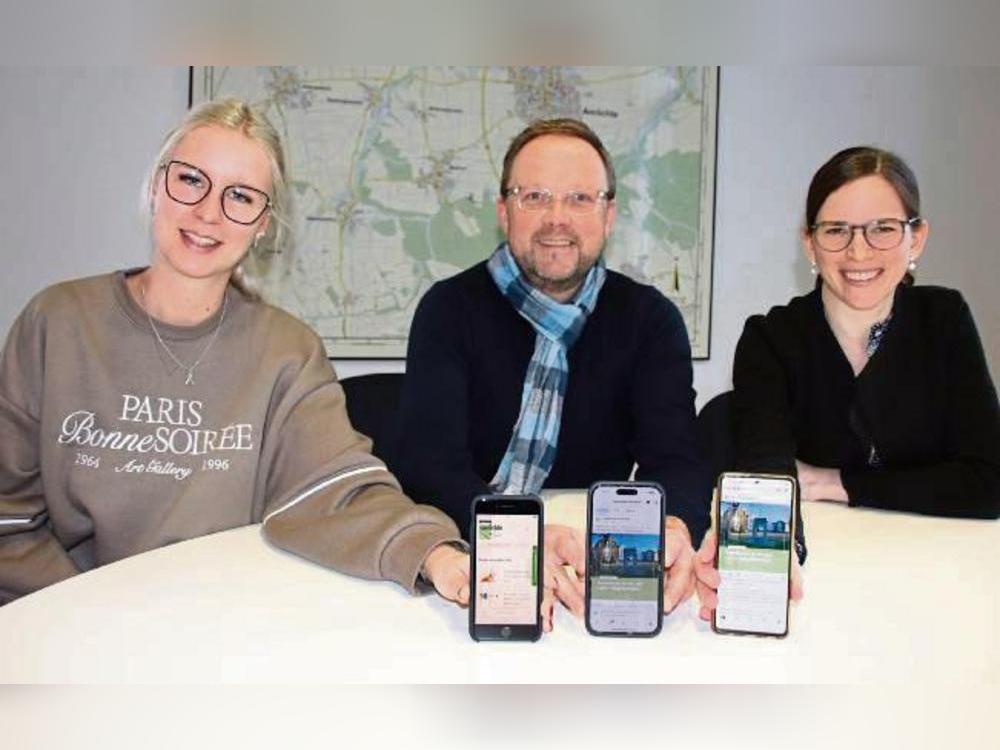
pixel 889 598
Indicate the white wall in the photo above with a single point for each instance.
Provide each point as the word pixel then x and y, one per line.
pixel 78 141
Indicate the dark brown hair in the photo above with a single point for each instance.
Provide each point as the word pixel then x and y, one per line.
pixel 862 161
pixel 560 126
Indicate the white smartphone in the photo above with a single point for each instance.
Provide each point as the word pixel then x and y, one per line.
pixel 755 523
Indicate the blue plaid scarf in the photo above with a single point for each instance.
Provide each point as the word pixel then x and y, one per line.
pixel 532 447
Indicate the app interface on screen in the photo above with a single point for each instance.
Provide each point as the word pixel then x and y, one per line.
pixel 755 539
pixel 506 569
pixel 624 561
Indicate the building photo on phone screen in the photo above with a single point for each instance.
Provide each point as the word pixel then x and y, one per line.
pixel 755 547
pixel 624 560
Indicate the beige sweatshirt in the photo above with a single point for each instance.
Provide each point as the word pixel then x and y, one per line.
pixel 105 452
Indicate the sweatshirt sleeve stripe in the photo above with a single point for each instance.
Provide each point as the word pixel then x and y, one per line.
pixel 322 485
pixel 14 521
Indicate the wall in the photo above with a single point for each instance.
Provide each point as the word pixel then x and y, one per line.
pixel 78 141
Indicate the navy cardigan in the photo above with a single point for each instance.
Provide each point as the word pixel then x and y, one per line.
pixel 628 401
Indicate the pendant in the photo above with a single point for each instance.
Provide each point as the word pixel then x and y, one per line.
pixel 189 380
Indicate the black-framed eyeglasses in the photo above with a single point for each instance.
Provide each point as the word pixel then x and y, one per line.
pixel 187 184
pixel 880 234
pixel 542 199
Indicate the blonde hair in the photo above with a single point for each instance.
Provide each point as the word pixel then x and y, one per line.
pixel 234 114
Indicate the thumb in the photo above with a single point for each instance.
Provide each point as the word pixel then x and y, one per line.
pixel 706 552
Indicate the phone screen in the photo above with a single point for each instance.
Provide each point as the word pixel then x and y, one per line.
pixel 506 569
pixel 625 560
pixel 755 546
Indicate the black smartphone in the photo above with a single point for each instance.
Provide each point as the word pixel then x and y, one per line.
pixel 624 590
pixel 755 524
pixel 506 539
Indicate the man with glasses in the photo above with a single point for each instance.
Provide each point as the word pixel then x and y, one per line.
pixel 540 368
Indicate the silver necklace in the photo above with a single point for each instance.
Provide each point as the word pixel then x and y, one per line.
pixel 189 369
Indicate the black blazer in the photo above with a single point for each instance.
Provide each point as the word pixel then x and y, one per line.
pixel 925 400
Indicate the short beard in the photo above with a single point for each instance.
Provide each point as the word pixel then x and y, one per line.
pixel 556 286
pixel 552 286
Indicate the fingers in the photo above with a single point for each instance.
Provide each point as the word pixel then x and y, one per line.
pixel 798 589
pixel 679 562
pixel 706 576
pixel 566 587
pixel 450 575
pixel 548 610
pixel 707 598
pixel 704 562
pixel 562 585
pixel 461 576
pixel 565 545
pixel 706 552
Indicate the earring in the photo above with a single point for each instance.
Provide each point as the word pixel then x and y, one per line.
pixel 812 268
pixel 256 238
pixel 912 265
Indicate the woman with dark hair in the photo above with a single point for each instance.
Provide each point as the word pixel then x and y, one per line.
pixel 872 390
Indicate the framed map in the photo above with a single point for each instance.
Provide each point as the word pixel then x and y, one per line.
pixel 395 174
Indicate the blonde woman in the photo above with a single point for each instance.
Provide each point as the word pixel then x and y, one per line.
pixel 152 405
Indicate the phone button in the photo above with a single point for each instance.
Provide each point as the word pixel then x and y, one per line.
pixel 505 632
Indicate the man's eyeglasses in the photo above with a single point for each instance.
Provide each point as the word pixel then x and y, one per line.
pixel 542 199
pixel 187 184
pixel 880 234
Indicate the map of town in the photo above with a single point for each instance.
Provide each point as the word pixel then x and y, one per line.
pixel 395 175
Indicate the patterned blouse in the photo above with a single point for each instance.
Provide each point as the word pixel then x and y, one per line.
pixel 875 336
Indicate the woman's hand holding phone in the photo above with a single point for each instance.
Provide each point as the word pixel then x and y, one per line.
pixel 447 568
pixel 707 577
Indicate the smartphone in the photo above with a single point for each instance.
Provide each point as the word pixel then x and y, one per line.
pixel 506 540
pixel 755 523
pixel 624 588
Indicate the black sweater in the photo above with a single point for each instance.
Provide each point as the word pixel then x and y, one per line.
pixel 628 399
pixel 925 400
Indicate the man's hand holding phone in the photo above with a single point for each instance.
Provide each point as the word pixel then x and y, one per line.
pixel 565 566
pixel 678 563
